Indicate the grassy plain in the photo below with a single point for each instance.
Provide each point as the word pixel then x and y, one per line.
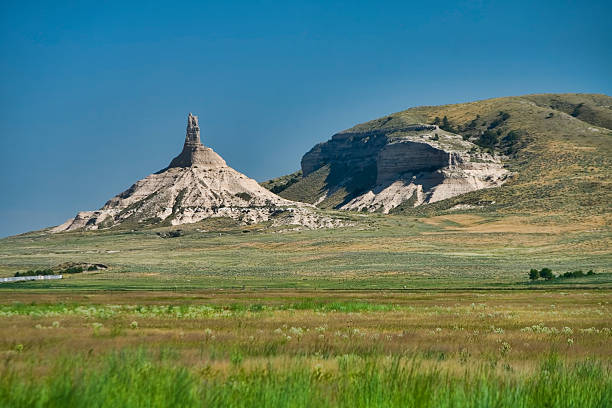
pixel 393 311
pixel 447 251
pixel 306 348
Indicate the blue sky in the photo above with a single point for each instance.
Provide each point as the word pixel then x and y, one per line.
pixel 94 95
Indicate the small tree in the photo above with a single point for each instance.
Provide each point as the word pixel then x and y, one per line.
pixel 534 274
pixel 446 124
pixel 546 273
pixel 488 139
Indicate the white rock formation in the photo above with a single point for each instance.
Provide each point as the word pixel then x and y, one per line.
pixel 196 185
pixel 418 164
pixel 425 169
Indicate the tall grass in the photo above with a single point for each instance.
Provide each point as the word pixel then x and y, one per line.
pixel 143 379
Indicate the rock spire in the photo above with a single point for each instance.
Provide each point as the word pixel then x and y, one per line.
pixel 194 152
pixel 193 131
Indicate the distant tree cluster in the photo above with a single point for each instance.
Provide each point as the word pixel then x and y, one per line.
pixel 37 272
pixel 49 271
pixel 547 274
pixel 443 123
pixel 577 274
pixel 544 273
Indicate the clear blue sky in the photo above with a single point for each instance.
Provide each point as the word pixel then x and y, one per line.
pixel 94 95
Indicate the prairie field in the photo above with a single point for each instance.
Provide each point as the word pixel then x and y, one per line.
pixel 377 252
pixel 391 311
pixel 306 348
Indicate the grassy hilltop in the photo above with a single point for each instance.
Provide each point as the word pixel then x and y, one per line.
pixel 558 145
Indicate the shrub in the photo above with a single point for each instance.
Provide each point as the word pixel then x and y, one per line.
pixel 534 274
pixel 244 195
pixel 446 124
pixel 37 272
pixel 574 274
pixel 546 273
pixel 73 269
pixel 488 139
pixel 501 118
pixel 577 274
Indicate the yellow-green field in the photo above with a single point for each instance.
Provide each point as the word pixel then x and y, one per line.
pixel 392 311
pixel 307 348
pixel 452 250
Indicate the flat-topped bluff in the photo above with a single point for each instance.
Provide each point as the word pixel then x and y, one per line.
pixel 418 162
pixel 198 184
pixel 546 153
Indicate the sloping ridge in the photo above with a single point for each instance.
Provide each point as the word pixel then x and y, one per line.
pixel 546 153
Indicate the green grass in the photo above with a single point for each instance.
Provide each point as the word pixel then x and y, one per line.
pixel 140 379
pixel 378 252
pixel 319 349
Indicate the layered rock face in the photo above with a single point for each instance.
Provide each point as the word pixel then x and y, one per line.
pixel 196 185
pixel 416 163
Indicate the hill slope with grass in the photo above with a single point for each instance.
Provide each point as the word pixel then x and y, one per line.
pixel 556 146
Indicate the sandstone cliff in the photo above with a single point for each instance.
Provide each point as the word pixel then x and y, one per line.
pixel 380 170
pixel 555 147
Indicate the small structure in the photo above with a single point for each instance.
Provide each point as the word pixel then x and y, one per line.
pixel 30 278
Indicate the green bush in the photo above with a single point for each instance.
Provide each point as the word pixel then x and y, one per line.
pixel 574 274
pixel 547 274
pixel 488 139
pixel 534 274
pixel 577 274
pixel 35 272
pixel 73 269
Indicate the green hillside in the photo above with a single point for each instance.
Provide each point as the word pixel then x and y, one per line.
pixel 558 145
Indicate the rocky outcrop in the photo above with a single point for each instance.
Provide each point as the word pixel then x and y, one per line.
pixel 197 184
pixel 194 153
pixel 382 169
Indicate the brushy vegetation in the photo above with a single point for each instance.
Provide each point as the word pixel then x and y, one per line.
pixel 49 271
pixel 547 274
pixel 450 251
pixel 317 349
